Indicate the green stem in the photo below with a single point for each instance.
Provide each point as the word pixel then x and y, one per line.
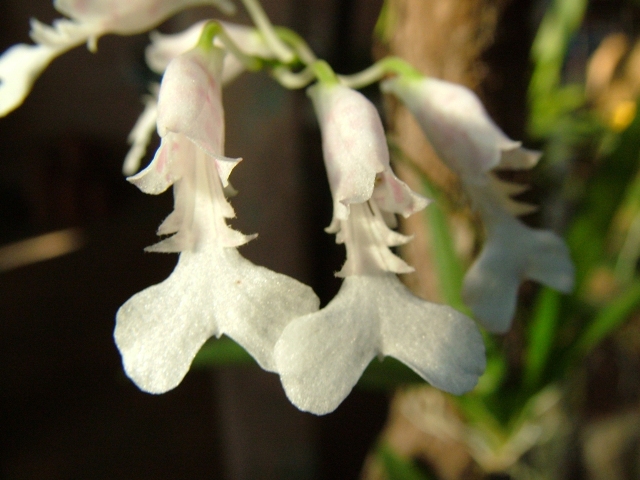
pixel 216 29
pixel 209 32
pixel 379 70
pixel 259 17
pixel 293 80
pixel 306 55
pixel 323 72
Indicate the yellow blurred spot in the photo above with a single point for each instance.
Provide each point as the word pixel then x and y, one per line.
pixel 37 249
pixel 623 115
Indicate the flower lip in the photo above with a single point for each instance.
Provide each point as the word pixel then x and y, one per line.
pixel 321 356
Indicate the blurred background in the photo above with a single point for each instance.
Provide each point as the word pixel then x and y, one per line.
pixel 562 75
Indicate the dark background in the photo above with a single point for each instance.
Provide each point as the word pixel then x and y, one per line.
pixel 66 409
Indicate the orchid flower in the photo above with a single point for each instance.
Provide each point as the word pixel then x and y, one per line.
pixel 162 50
pixel 468 141
pixel 213 289
pixel 88 20
pixel 320 356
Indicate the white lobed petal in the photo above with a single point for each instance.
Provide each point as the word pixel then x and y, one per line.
pixel 456 124
pixel 513 253
pixel 437 342
pixel 321 356
pixel 20 66
pixel 166 47
pixel 215 292
pixel 353 143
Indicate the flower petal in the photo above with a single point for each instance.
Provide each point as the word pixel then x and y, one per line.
pixel 353 143
pixel 440 344
pixel 368 239
pixel 512 253
pixel 20 66
pixel 321 356
pixel 456 124
pixel 190 100
pixel 160 330
pixel 393 195
pixel 165 48
pixel 165 168
pixel 519 159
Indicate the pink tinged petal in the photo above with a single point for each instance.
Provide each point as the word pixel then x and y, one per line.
pixel 20 66
pixel 514 253
pixel 160 330
pixel 224 166
pixel 190 100
pixel 353 142
pixel 321 356
pixel 393 195
pixel 166 167
pixel 456 124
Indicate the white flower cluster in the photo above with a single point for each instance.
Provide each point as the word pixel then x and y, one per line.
pixel 318 353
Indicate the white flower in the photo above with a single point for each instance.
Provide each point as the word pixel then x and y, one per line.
pixel 467 140
pixel 162 50
pixel 20 65
pixel 88 20
pixel 213 290
pixel 321 355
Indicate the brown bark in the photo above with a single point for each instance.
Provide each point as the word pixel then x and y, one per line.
pixel 444 39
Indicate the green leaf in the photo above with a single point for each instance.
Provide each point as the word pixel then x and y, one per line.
pixel 604 193
pixel 397 467
pixel 541 334
pixel 549 101
pixel 447 262
pixel 608 319
pixel 387 375
pixel 222 351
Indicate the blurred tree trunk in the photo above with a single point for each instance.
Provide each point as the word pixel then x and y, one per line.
pixel 445 39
